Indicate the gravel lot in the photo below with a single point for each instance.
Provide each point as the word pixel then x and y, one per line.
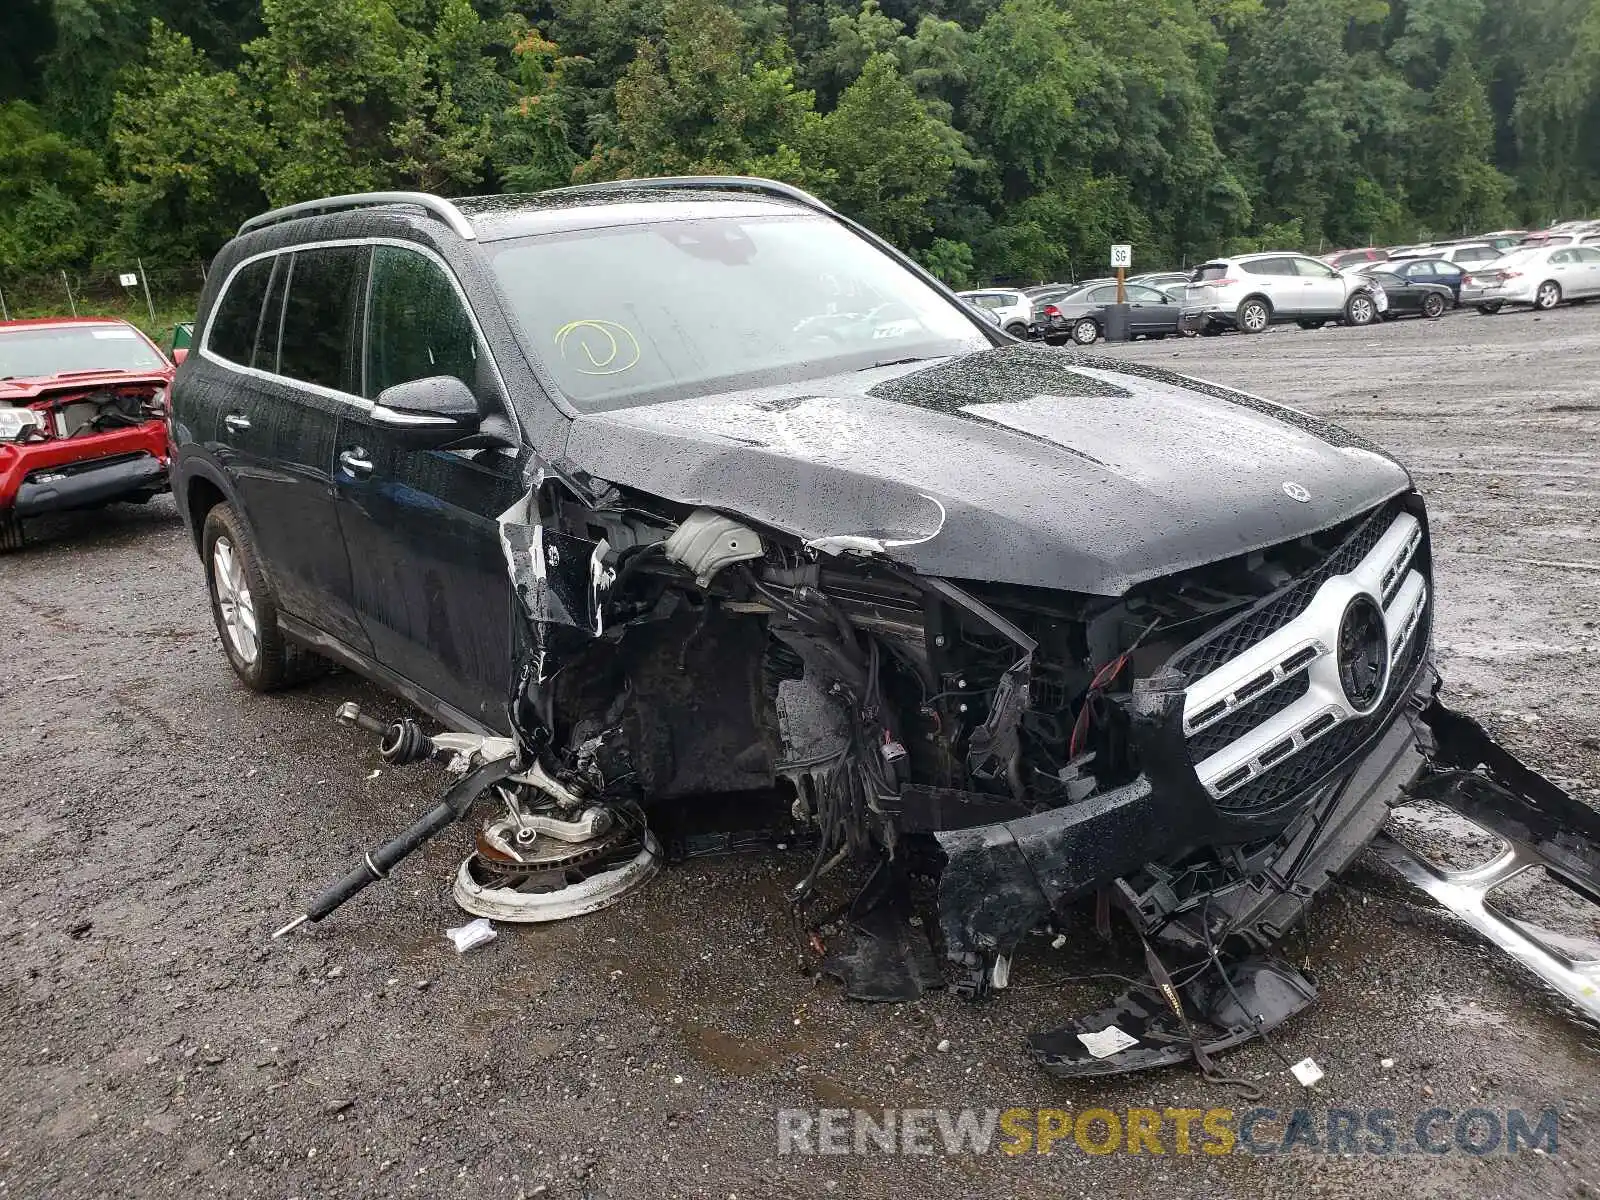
pixel 157 822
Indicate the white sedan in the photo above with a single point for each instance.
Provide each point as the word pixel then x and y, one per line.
pixel 1540 276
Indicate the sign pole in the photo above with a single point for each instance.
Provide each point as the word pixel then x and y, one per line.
pixel 1122 292
pixel 144 280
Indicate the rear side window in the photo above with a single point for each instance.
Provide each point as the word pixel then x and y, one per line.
pixel 319 316
pixel 416 324
pixel 1269 266
pixel 238 313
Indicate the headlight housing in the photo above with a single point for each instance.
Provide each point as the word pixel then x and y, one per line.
pixel 15 423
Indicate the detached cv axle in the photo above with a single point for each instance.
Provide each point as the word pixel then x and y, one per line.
pixel 404 741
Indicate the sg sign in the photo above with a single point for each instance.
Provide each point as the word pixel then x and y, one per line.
pixel 1122 256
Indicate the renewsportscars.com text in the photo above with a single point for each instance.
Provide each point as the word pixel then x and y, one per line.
pixel 1179 1131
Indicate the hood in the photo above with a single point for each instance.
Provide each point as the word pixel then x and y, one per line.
pixel 1015 465
pixel 30 388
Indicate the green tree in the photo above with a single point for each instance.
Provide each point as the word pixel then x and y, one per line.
pixel 47 180
pixel 890 157
pixel 701 102
pixel 186 143
pixel 533 141
pixel 950 261
pixel 334 78
pixel 1455 187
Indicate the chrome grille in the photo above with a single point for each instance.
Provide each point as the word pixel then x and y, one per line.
pixel 1266 714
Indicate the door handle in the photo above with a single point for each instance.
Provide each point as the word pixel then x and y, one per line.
pixel 356 462
pixel 236 422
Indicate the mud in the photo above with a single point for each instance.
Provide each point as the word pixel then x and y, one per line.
pixel 157 822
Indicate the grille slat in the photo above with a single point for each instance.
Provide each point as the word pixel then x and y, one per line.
pixel 1251 628
pixel 1298 772
pixel 1206 742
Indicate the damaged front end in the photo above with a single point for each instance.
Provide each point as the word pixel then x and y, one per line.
pixel 69 443
pixel 1196 757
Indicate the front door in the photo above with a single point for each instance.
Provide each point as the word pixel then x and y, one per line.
pixel 1150 312
pixel 430 578
pixel 1321 288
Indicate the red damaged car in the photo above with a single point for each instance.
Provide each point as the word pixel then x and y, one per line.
pixel 83 405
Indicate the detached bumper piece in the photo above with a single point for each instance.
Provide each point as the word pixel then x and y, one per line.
pixel 1225 1000
pixel 1141 1029
pixel 1538 824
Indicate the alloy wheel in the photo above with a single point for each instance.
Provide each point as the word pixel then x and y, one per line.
pixel 232 591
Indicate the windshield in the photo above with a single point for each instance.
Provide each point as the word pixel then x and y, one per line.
pixel 44 350
pixel 644 313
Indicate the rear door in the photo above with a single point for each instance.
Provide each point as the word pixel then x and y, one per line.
pixel 422 526
pixel 1275 278
pixel 278 426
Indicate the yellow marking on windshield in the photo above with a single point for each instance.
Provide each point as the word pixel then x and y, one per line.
pixel 608 348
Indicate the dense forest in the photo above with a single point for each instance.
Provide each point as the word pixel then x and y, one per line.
pixel 996 139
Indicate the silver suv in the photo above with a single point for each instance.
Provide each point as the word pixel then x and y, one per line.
pixel 1012 309
pixel 1253 291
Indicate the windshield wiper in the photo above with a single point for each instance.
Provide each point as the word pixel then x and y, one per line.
pixel 899 362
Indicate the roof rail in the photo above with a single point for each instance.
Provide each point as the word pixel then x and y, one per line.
pixel 719 183
pixel 437 205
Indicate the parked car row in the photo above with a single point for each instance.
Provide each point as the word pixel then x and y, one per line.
pixel 1252 292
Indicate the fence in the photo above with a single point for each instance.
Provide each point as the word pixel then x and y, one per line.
pixel 151 295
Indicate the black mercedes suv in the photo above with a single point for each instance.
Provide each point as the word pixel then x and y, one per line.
pixel 685 487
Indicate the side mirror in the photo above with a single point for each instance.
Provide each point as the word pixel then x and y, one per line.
pixel 178 355
pixel 427 412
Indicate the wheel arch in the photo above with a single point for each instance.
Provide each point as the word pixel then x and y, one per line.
pixel 204 487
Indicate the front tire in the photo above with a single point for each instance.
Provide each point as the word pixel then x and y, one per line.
pixel 245 607
pixel 1018 330
pixel 1548 295
pixel 1085 332
pixel 1360 310
pixel 1433 306
pixel 1491 307
pixel 1254 316
pixel 10 533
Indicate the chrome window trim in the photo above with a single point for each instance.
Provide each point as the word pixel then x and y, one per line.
pixel 359 403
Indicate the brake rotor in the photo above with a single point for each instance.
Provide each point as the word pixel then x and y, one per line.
pixel 543 855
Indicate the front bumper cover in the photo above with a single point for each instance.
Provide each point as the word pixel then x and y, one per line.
pixel 58 474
